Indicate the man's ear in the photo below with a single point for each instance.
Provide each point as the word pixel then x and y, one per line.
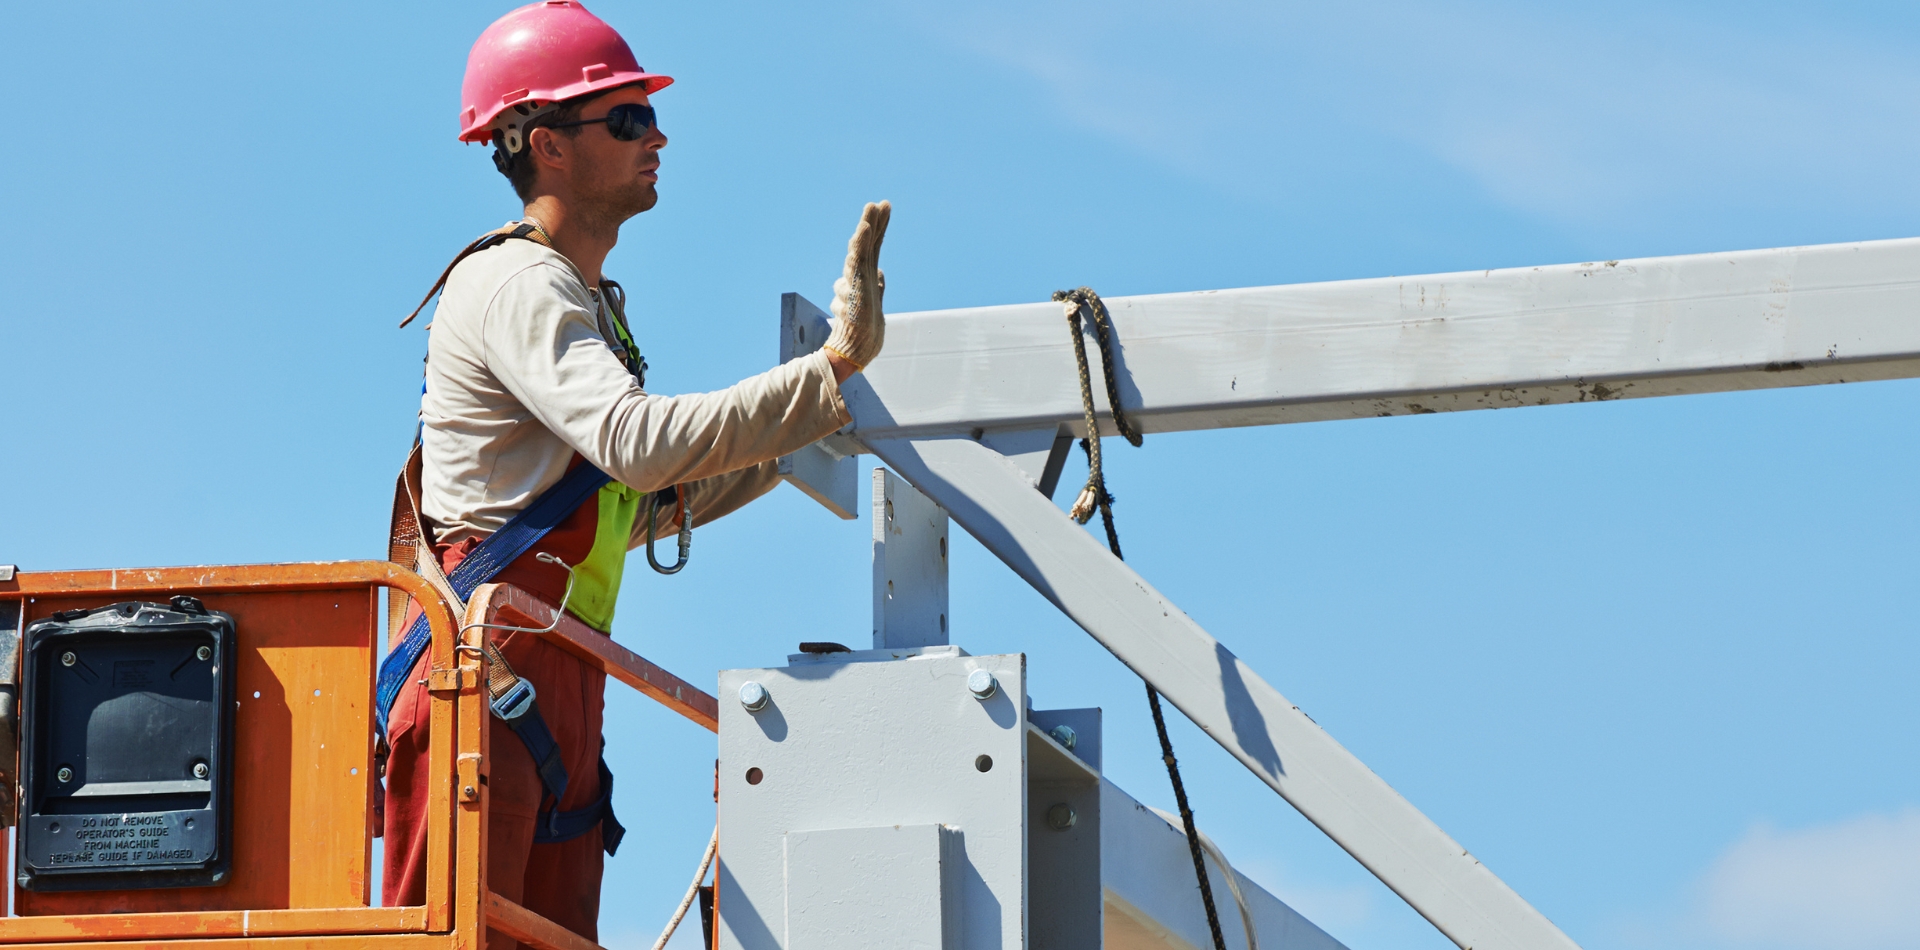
pixel 547 147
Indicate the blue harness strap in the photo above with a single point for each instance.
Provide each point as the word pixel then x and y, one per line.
pixel 544 748
pixel 491 557
pixel 555 826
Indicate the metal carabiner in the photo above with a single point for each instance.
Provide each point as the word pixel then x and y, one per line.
pixel 686 530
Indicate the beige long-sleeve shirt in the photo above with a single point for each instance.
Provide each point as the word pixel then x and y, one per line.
pixel 519 379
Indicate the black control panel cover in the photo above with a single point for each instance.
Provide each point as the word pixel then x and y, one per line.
pixel 126 759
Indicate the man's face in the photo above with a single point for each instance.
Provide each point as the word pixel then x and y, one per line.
pixel 610 177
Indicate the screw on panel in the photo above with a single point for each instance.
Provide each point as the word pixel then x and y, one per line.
pixel 980 683
pixel 68 659
pixel 1061 817
pixel 1064 735
pixel 64 775
pixel 200 770
pixel 753 696
pixel 204 653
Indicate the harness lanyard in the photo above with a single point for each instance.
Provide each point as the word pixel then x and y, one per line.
pixel 613 301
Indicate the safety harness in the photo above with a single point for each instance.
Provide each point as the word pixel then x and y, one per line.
pixel 512 698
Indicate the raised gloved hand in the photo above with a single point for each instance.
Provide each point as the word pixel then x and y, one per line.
pixel 859 327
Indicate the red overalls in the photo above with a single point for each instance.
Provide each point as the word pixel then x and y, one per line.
pixel 558 881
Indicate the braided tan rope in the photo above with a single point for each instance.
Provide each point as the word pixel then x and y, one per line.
pixel 1094 495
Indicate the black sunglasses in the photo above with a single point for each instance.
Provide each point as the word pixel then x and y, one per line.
pixel 625 122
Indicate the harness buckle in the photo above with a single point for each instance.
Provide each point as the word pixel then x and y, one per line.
pixel 515 702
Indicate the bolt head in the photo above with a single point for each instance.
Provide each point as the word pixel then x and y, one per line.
pixel 1061 817
pixel 1064 735
pixel 754 696
pixel 204 653
pixel 64 775
pixel 68 659
pixel 981 684
pixel 200 770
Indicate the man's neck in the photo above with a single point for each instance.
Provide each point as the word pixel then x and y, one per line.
pixel 576 236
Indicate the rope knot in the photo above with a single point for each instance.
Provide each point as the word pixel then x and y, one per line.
pixel 1094 496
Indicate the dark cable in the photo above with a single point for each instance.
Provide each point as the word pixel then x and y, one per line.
pixel 1186 818
pixel 1085 299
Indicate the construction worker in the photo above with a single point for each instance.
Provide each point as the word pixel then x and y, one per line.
pixel 541 455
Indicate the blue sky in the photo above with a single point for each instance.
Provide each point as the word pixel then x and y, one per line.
pixel 1652 661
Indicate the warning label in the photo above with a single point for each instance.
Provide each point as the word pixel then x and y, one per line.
pixel 118 839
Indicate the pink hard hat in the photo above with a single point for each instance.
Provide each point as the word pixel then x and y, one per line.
pixel 540 54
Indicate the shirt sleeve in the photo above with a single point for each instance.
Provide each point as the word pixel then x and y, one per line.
pixel 712 498
pixel 541 341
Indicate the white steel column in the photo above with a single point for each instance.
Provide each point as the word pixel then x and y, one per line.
pixel 909 566
pixel 823 472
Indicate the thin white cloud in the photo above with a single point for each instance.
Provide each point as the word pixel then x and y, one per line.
pixel 1561 112
pixel 1852 885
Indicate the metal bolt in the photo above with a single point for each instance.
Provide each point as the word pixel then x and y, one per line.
pixel 753 696
pixel 980 683
pixel 200 770
pixel 1064 735
pixel 68 659
pixel 64 775
pixel 1061 817
pixel 204 653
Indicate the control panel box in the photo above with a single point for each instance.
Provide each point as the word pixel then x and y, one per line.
pixel 126 752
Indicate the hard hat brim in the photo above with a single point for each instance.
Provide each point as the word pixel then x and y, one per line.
pixel 478 126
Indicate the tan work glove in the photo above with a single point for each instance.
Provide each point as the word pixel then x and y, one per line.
pixel 858 325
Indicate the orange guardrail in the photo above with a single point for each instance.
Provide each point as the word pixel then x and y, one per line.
pixel 308 645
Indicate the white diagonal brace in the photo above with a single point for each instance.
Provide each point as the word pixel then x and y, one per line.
pixel 996 503
pixel 1491 339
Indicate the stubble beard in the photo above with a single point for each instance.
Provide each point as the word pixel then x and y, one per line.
pixel 612 206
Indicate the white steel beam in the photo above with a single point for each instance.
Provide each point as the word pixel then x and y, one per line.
pixel 1402 345
pixel 955 389
pixel 997 504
